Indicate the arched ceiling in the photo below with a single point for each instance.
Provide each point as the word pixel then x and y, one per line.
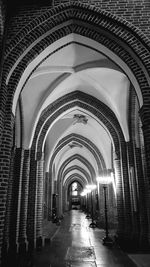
pixel 69 125
pixel 77 64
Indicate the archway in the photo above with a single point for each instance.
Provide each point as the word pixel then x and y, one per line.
pixel 128 56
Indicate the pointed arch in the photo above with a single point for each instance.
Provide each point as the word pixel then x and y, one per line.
pixel 74 168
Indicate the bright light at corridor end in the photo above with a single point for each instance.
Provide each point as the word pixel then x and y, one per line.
pixel 88 189
pixel 91 186
pixel 85 192
pixel 106 179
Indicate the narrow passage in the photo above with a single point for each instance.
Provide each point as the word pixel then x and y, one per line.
pixel 75 244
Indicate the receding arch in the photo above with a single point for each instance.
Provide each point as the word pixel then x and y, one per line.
pixel 71 179
pixel 80 169
pixel 75 177
pixel 61 171
pixel 84 141
pixel 77 98
pixel 103 49
pixel 112 22
pixel 80 158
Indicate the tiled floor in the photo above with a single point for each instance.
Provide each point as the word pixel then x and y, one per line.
pixel 141 260
pixel 77 245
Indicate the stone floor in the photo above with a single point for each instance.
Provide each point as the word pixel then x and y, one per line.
pixel 75 244
pixel 141 260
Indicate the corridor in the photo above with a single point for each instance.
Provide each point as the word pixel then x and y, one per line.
pixel 75 244
pixel 74 132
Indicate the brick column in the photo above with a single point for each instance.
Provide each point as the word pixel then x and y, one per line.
pixel 145 119
pixel 133 194
pixel 100 199
pixel 53 201
pixel 64 199
pixel 46 181
pixel 39 212
pixel 112 207
pixel 31 216
pixel 6 144
pixel 120 199
pixel 24 202
pixel 127 201
pixel 59 198
pixel 50 193
pixel 89 203
pixel 143 242
pixel 8 212
pixel 16 202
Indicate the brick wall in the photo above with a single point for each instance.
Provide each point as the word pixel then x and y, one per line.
pixel 82 100
pixel 2 25
pixel 39 201
pixel 5 159
pixel 85 142
pixel 31 216
pixel 2 18
pixel 24 199
pixel 130 10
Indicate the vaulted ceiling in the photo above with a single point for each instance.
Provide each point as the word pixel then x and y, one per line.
pixel 72 64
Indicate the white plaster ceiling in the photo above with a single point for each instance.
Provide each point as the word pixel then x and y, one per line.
pixel 75 66
pixel 93 130
pixel 74 173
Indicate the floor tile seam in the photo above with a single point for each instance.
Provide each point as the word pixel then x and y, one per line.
pixel 135 262
pixel 81 262
pixel 54 235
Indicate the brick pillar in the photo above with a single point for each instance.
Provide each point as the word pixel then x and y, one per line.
pixel 58 199
pixel 50 193
pixel 16 202
pixel 64 199
pixel 54 201
pixel 31 216
pixel 99 198
pixel 39 212
pixel 6 144
pixel 133 194
pixel 120 199
pixel 143 242
pixel 145 119
pixel 112 207
pixel 127 201
pixel 8 212
pixel 45 215
pixel 89 202
pixel 24 202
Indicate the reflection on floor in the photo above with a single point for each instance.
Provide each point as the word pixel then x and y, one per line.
pixel 77 245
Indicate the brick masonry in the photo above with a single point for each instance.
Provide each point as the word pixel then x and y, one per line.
pixel 32 201
pixel 24 200
pixel 83 160
pixel 39 203
pixel 129 10
pixel 2 22
pixel 122 26
pixel 85 142
pixel 90 103
pixel 61 176
pixel 138 187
